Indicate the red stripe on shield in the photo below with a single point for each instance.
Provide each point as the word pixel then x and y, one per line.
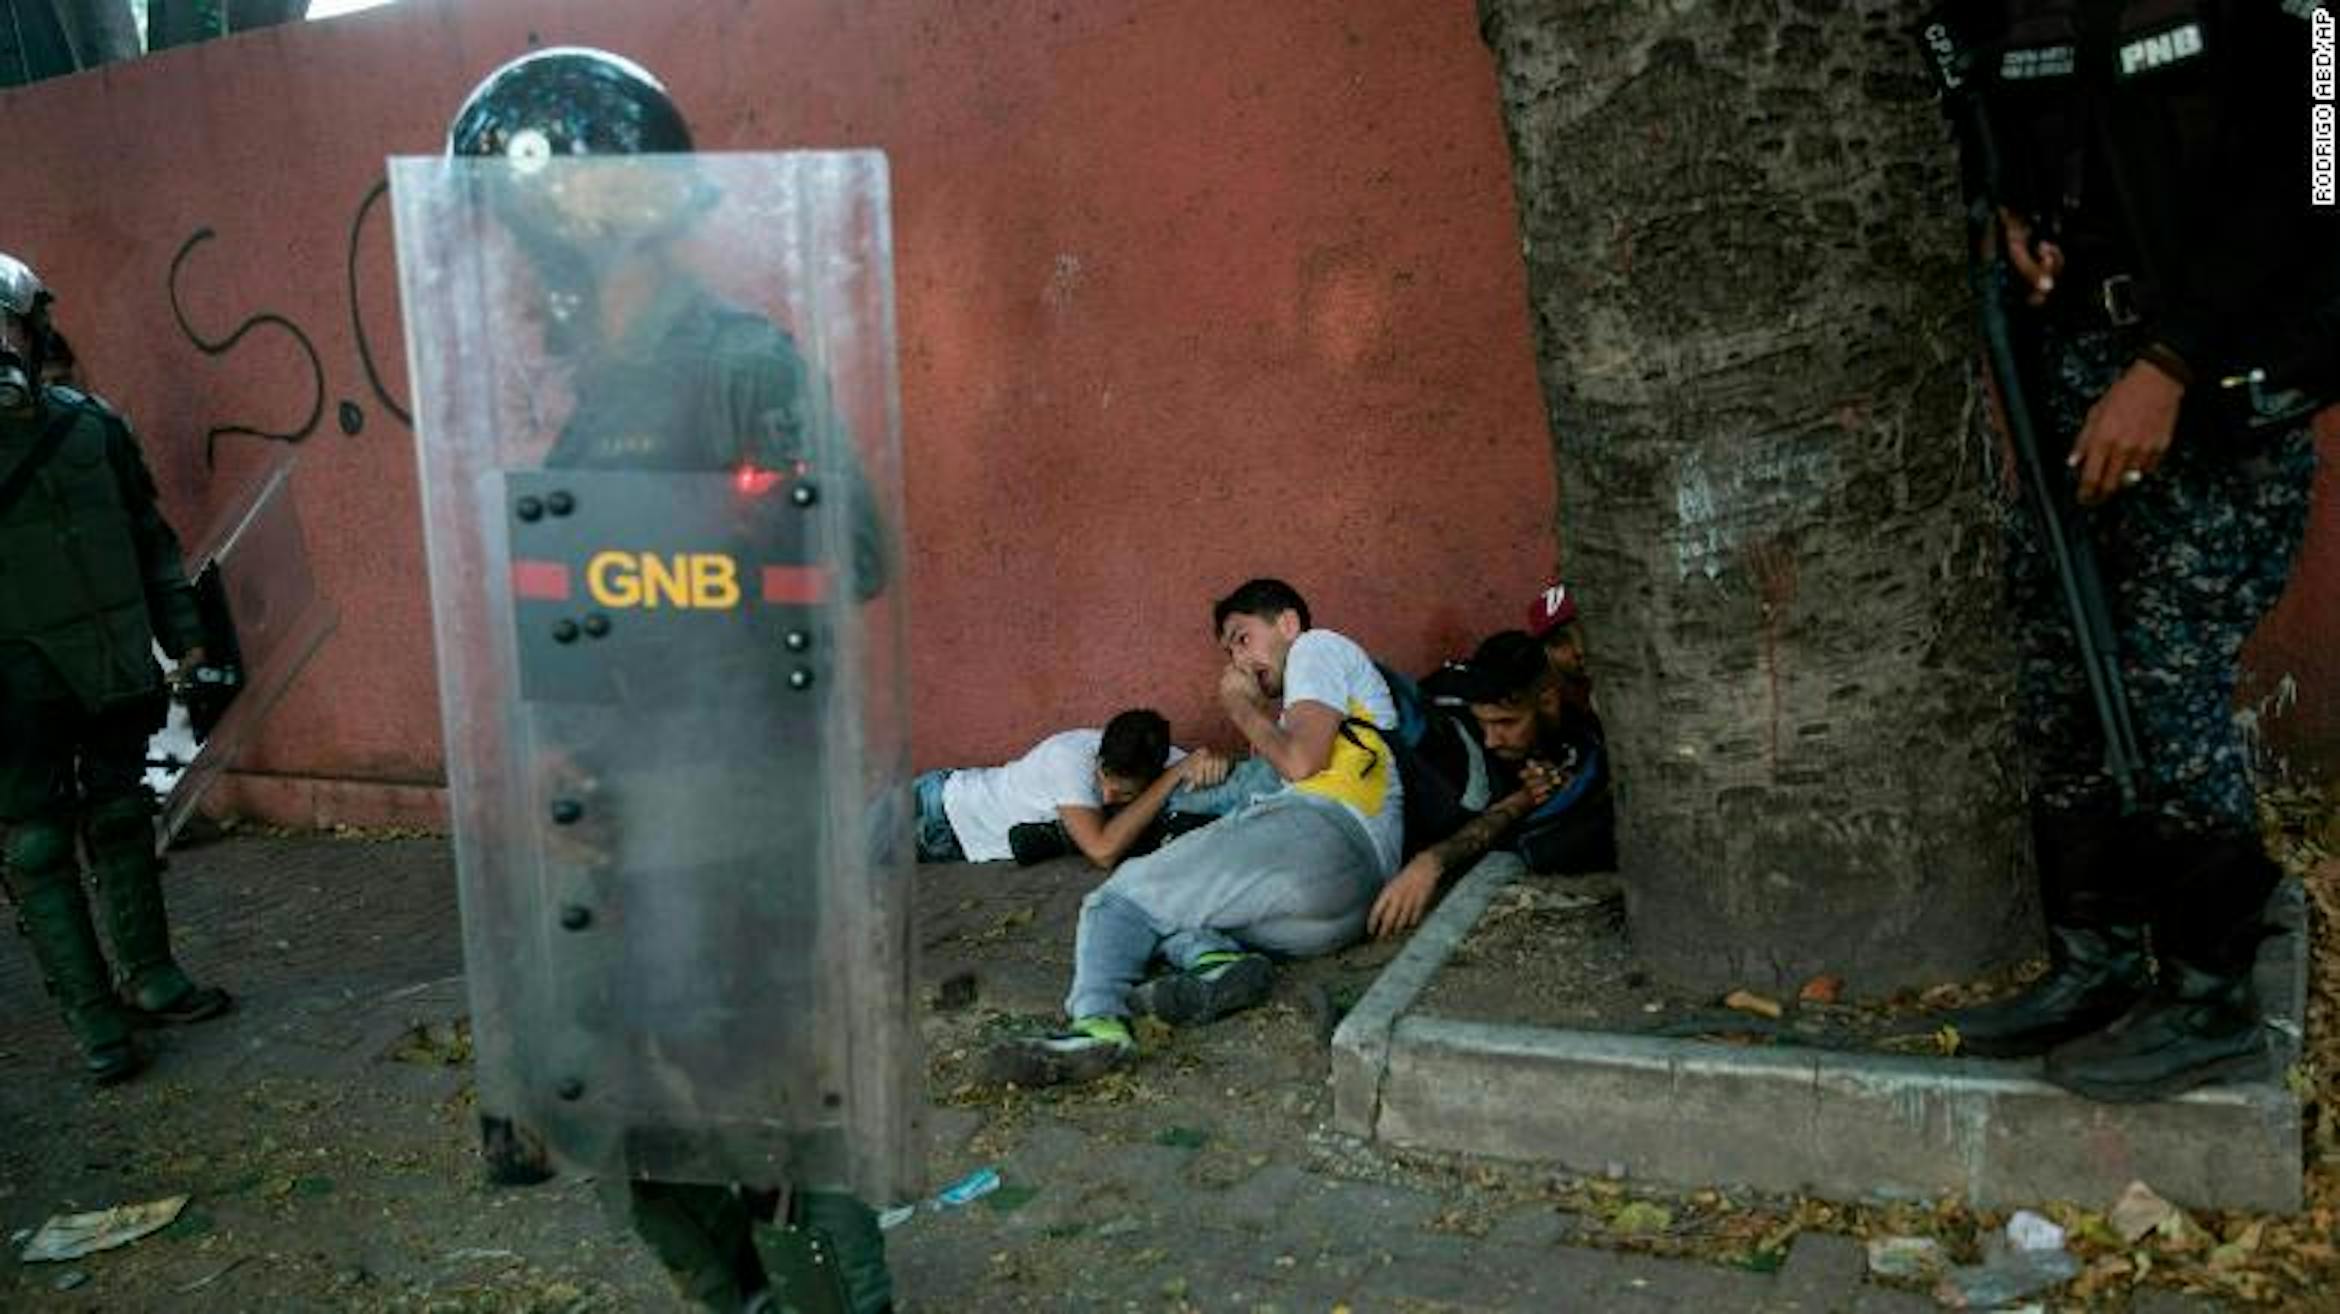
pixel 541 581
pixel 795 585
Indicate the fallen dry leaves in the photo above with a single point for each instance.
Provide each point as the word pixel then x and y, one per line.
pixel 1822 990
pixel 2236 1257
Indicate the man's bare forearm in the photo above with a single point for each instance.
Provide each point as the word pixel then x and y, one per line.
pixel 1259 729
pixel 1458 851
pixel 1288 752
pixel 1104 844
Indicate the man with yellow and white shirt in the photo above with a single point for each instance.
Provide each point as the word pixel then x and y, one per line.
pixel 1291 874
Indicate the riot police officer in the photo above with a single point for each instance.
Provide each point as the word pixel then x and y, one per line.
pixel 2145 170
pixel 91 578
pixel 679 864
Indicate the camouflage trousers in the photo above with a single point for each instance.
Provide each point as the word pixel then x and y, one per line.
pixel 2192 559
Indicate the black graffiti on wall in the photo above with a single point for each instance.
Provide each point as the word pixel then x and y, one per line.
pixel 221 346
pixel 357 321
pixel 348 413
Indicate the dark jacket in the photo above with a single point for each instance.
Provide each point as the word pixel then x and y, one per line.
pixel 701 385
pixel 2170 140
pixel 91 575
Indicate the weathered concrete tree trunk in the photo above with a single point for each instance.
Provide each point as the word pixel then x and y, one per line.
pixel 1743 261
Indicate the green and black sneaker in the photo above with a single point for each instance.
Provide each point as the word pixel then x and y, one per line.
pixel 1217 984
pixel 1093 1047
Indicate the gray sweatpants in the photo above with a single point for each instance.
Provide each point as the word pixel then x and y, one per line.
pixel 1290 873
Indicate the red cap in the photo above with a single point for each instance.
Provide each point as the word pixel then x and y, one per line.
pixel 1553 608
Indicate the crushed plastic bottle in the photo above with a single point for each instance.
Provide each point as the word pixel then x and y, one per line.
pixel 1908 1258
pixel 965 1191
pixel 2029 1231
pixel 2005 1276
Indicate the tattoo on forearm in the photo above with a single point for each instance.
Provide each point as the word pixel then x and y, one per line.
pixel 1478 835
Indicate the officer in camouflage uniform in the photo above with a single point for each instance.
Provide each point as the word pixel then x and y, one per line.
pixel 91 578
pixel 2179 334
pixel 631 322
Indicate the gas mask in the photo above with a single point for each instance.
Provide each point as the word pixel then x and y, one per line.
pixel 24 329
pixel 20 364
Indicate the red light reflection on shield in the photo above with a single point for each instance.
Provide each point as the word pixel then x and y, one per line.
pixel 754 480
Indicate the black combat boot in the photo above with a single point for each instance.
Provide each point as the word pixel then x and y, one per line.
pixel 54 916
pixel 129 880
pixel 2200 1026
pixel 512 1153
pixel 2097 965
pixel 2201 1022
pixel 843 1234
pixel 702 1235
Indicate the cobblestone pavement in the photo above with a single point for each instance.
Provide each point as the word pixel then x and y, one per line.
pixel 327 1150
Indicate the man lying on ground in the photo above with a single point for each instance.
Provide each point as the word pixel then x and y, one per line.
pixel 1098 792
pixel 1291 873
pixel 1551 789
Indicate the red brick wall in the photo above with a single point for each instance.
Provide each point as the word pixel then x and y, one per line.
pixel 1188 292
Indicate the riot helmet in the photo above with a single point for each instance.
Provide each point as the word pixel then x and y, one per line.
pixel 590 109
pixel 568 100
pixel 24 331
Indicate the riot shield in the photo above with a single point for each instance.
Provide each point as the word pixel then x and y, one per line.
pixel 263 618
pixel 657 422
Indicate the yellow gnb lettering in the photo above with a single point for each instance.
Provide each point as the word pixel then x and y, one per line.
pixel 687 580
pixel 714 581
pixel 610 578
pixel 661 580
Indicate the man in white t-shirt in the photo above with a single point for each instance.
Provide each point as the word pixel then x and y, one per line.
pixel 1292 873
pixel 1106 787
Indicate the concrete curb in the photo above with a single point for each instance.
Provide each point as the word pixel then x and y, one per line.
pixel 1361 1045
pixel 1836 1124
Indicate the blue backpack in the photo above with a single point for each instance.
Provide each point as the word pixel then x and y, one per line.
pixel 1440 762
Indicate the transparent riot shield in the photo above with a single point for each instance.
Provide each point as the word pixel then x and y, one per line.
pixel 263 618
pixel 658 426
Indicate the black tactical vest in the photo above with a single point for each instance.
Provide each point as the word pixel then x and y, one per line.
pixel 2168 140
pixel 70 575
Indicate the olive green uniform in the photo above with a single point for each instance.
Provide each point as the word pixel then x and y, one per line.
pixel 91 578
